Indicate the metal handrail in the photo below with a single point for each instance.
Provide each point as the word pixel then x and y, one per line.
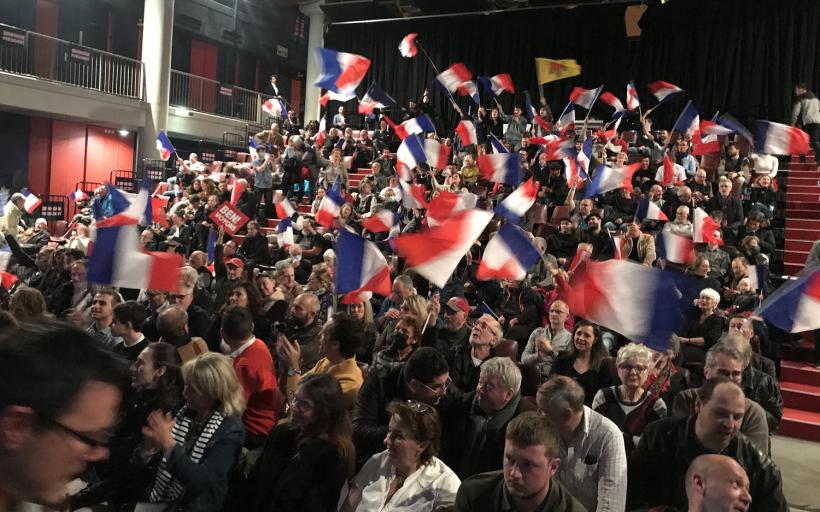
pixel 24 52
pixel 213 97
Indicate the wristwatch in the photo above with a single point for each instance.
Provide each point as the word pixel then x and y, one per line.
pixel 293 372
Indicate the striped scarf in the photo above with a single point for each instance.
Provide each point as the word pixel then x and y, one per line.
pixel 166 488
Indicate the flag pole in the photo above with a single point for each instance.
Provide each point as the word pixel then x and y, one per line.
pixel 435 68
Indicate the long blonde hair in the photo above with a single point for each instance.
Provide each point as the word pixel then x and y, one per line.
pixel 213 376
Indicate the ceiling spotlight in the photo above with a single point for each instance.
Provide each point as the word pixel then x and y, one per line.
pixel 123 133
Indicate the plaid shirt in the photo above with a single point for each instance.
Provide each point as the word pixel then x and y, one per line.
pixel 596 454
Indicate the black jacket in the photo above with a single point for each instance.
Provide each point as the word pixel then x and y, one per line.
pixel 485 493
pixel 463 372
pixel 764 390
pixel 473 443
pixel 254 250
pixel 658 465
pixel 370 419
pixel 295 475
pixel 732 211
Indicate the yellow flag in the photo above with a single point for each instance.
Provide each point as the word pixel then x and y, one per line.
pixel 549 70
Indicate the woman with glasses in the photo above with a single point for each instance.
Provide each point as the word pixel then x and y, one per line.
pixel 586 361
pixel 156 382
pixel 193 451
pixel 629 405
pixel 407 475
pixel 306 461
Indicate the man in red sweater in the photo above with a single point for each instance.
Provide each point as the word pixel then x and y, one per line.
pixel 254 367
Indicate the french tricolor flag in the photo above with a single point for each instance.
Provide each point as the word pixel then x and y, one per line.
pixel 360 266
pixel 558 149
pixel 585 97
pixel 452 77
pixel 284 233
pixel 585 156
pixel 119 260
pixel 613 101
pixel 446 204
pixel 575 175
pixel 674 248
pixel 730 122
pixel 436 154
pixel 468 132
pixel 669 168
pixel 632 101
pixel 780 139
pixel 321 135
pixel 275 107
pixel 661 89
pixel 607 178
pixel 331 205
pixel 334 96
pixel 497 84
pixel 532 114
pixel 411 154
pixel 757 277
pixel 236 191
pixel 795 306
pixel 413 195
pixel 284 208
pixel 713 128
pixel 340 72
pixel 382 221
pixel 164 146
pixel 374 98
pixel 78 195
pixel 407 46
pixel 469 88
pixel 32 202
pixel 517 204
pixel 416 125
pixel 500 168
pixel 508 255
pixel 435 252
pixel 688 120
pixel 647 210
pixel 704 228
pixel 496 144
pixel 566 121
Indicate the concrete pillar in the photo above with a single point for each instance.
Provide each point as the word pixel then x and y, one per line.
pixel 157 37
pixel 316 39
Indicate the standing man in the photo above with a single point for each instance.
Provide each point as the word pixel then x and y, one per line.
pixel 806 114
pixel 525 484
pixel 59 398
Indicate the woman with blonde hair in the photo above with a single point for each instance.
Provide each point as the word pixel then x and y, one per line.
pixel 28 305
pixel 197 447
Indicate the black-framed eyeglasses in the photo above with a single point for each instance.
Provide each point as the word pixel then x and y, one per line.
pixel 629 367
pixel 439 388
pixel 84 438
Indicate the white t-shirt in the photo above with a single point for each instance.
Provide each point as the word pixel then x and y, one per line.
pixel 432 487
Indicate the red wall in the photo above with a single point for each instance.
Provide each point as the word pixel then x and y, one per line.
pixel 62 153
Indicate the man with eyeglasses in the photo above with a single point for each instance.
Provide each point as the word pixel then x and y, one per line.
pixel 425 377
pixel 473 428
pixel 740 324
pixel 727 362
pixel 59 397
pixel 467 359
pixel 199 321
pixel 657 467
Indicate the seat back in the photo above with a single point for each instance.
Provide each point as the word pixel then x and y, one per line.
pixel 507 348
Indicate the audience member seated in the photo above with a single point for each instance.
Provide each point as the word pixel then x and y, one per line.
pixel 127 320
pixel 590 446
pixel 658 465
pixel 466 362
pixel 196 448
pixel 302 326
pixel 545 343
pixel 339 340
pixel 425 377
pixel 307 460
pixel 630 405
pixel 531 459
pixel 702 328
pixel 172 327
pixel 716 482
pixel 407 475
pixel 587 361
pixel 455 331
pixel 474 426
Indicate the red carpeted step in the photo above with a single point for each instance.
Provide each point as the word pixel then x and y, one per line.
pixel 801 173
pixel 798 181
pixel 800 424
pixel 795 257
pixel 271 223
pixel 800 396
pixel 807 166
pixel 304 208
pixel 800 196
pixel 800 213
pixel 801 234
pixel 812 224
pixel 802 205
pixel 798 245
pixel 803 352
pixel 800 373
pixel 791 269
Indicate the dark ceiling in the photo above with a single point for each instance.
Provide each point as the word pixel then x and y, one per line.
pixel 361 10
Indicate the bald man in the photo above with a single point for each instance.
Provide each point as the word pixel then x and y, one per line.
pixel 303 327
pixel 717 483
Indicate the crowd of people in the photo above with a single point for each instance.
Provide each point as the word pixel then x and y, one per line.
pixel 255 386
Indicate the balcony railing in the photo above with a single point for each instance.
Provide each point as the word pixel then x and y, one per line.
pixel 205 95
pixel 29 53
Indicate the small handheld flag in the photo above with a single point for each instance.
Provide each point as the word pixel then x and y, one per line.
pixel 340 72
pixel 407 47
pixel 164 146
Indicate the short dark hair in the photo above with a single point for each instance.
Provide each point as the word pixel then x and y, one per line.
pixel 348 332
pixel 802 85
pixel 593 214
pixel 562 391
pixel 706 391
pixel 131 311
pixel 237 323
pixel 423 423
pixel 44 366
pixel 111 292
pixel 425 364
pixel 531 428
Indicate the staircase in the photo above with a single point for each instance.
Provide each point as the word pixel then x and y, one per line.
pixel 800 387
pixel 802 212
